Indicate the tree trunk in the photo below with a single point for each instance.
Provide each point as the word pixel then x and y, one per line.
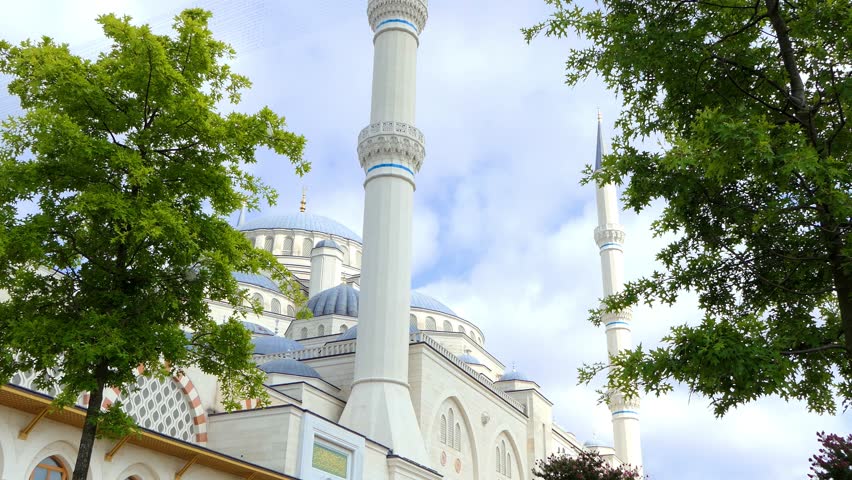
pixel 843 287
pixel 87 438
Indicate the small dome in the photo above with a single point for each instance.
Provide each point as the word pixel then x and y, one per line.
pixel 339 300
pixel 328 243
pixel 343 300
pixel 288 366
pixel 514 375
pixel 268 345
pixel 301 221
pixel 352 333
pixel 596 444
pixel 256 329
pixel 468 358
pixel 257 280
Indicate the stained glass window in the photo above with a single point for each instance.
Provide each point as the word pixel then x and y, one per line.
pixel 330 460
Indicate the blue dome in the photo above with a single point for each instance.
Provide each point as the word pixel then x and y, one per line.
pixel 425 302
pixel 256 329
pixel 514 375
pixel 339 300
pixel 288 366
pixel 269 345
pixel 329 243
pixel 352 333
pixel 343 300
pixel 468 358
pixel 257 280
pixel 300 221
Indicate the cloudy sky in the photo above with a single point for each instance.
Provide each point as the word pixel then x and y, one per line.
pixel 503 230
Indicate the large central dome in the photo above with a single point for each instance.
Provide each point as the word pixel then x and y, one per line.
pixel 301 221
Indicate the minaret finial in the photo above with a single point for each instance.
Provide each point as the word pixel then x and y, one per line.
pixel 304 200
pixel 599 152
pixel 242 219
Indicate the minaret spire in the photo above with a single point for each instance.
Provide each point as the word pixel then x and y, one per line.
pixel 304 200
pixel 609 236
pixel 391 150
pixel 242 218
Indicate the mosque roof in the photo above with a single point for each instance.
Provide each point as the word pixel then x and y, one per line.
pixel 352 333
pixel 514 375
pixel 256 329
pixel 343 300
pixel 301 221
pixel 328 243
pixel 468 358
pixel 257 280
pixel 288 366
pixel 268 345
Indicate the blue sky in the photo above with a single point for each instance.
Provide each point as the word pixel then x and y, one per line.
pixel 503 230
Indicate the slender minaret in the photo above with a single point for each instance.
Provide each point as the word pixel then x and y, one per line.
pixel 391 151
pixel 609 235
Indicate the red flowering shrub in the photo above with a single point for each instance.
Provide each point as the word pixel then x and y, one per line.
pixel 834 460
pixel 586 466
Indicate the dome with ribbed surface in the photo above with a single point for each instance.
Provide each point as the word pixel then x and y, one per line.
pixel 514 375
pixel 256 329
pixel 257 280
pixel 268 345
pixel 343 300
pixel 288 366
pixel 339 300
pixel 352 333
pixel 328 243
pixel 468 358
pixel 300 221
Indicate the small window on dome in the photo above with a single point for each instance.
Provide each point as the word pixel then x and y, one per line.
pixel 304 332
pixel 267 245
pixel 291 312
pixel 307 246
pixel 430 324
pixel 462 330
pixel 448 327
pixel 288 246
pixel 412 320
pixel 276 306
pixel 321 330
pixel 343 328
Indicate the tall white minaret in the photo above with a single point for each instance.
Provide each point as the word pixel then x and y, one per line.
pixel 609 235
pixel 391 151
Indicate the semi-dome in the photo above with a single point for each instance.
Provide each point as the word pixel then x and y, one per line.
pixel 352 333
pixel 257 280
pixel 268 345
pixel 288 366
pixel 256 329
pixel 343 300
pixel 328 243
pixel 468 358
pixel 514 375
pixel 300 221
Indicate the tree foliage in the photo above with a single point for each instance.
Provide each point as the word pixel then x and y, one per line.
pixel 115 184
pixel 749 100
pixel 585 466
pixel 834 460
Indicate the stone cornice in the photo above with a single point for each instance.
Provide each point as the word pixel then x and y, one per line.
pixel 395 142
pixel 609 233
pixel 414 11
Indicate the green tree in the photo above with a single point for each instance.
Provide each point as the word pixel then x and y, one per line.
pixel 586 466
pixel 131 168
pixel 749 100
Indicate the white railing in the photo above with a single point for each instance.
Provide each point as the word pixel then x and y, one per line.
pixel 348 346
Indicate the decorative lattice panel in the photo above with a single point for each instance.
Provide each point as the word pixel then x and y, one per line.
pixel 161 405
pixel 27 379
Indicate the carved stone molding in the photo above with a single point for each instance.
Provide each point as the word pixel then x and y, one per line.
pixel 622 316
pixel 609 233
pixel 414 11
pixel 397 142
pixel 618 402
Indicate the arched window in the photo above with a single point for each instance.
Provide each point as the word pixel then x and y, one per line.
pixel 321 330
pixel 343 328
pixel 430 324
pixel 276 306
pixel 458 437
pixel 267 245
pixel 288 246
pixel 307 246
pixel 509 465
pixel 412 320
pixel 451 420
pixel 304 332
pixel 50 468
pixel 444 429
pixel 498 457
pixel 448 327
pixel 291 312
pixel 503 449
pixel 462 330
pixel 258 299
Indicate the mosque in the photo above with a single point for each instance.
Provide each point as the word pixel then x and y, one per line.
pixel 382 382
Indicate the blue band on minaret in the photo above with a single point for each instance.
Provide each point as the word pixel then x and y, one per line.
pixel 617 323
pixel 390 165
pixel 397 20
pixel 625 412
